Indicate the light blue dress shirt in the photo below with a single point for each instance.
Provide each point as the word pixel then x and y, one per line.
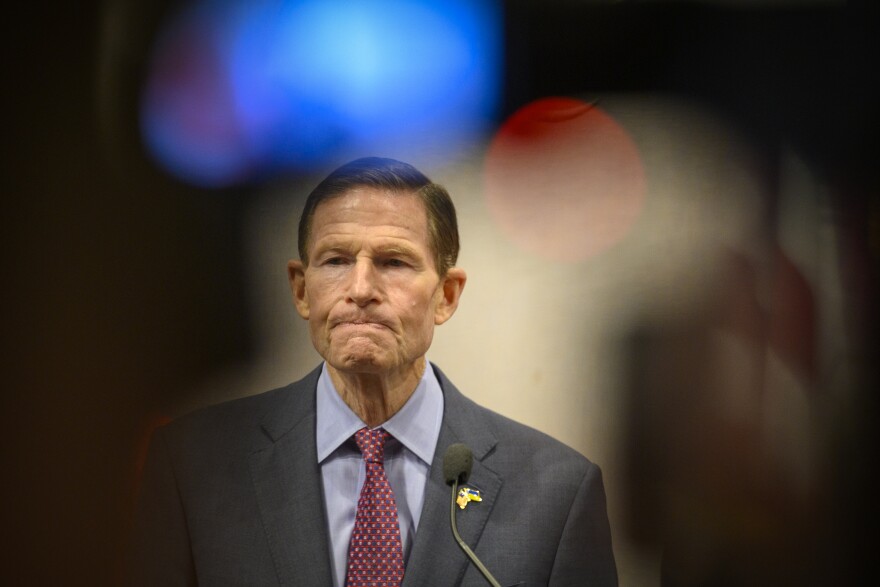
pixel 415 429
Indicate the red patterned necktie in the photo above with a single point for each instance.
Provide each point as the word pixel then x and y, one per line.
pixel 375 555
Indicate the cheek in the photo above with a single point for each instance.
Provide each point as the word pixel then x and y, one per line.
pixel 418 304
pixel 320 297
pixel 425 310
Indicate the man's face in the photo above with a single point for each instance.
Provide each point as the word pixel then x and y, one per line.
pixel 371 292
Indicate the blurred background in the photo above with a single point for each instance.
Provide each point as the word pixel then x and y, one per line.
pixel 669 217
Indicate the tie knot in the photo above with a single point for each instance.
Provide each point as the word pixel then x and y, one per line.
pixel 372 443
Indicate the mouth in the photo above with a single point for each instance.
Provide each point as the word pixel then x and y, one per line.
pixel 361 324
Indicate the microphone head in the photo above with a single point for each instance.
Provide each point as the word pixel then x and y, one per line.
pixel 457 463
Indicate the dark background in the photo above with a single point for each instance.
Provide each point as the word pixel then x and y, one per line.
pixel 121 286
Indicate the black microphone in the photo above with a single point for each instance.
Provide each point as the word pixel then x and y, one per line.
pixel 457 463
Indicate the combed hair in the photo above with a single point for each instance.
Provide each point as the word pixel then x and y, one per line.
pixel 397 178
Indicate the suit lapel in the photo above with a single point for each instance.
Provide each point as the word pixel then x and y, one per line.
pixel 291 503
pixel 436 559
pixel 287 482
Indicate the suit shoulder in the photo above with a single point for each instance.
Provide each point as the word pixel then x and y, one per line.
pixel 239 419
pixel 511 441
pixel 517 434
pixel 532 461
pixel 242 408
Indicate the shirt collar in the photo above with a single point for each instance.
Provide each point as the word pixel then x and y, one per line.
pixel 416 425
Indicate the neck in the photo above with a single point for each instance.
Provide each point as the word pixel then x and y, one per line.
pixel 375 397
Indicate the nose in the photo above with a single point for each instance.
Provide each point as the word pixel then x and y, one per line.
pixel 362 287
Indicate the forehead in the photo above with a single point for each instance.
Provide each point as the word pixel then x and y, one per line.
pixel 378 212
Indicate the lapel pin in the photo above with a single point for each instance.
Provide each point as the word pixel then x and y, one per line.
pixel 467 495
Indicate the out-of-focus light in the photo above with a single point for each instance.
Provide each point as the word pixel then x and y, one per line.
pixel 238 89
pixel 563 179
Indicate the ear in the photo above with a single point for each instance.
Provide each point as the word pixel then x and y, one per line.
pixel 449 292
pixel 296 274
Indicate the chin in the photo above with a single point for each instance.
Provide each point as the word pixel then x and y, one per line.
pixel 361 362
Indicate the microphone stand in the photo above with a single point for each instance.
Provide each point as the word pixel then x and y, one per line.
pixel 470 554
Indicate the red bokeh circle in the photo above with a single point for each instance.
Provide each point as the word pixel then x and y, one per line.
pixel 563 179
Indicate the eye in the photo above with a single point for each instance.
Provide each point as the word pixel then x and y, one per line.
pixel 334 261
pixel 395 263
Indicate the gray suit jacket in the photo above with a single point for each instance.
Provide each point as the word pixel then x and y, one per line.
pixel 232 496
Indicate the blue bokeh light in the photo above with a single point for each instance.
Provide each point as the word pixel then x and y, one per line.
pixel 240 89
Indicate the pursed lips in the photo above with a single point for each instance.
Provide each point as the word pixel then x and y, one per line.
pixel 359 323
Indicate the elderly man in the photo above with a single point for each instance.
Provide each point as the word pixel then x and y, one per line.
pixel 337 479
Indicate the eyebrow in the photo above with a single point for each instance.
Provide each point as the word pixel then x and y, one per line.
pixel 385 250
pixel 399 250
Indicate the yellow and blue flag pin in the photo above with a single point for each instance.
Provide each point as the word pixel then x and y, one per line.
pixel 467 495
